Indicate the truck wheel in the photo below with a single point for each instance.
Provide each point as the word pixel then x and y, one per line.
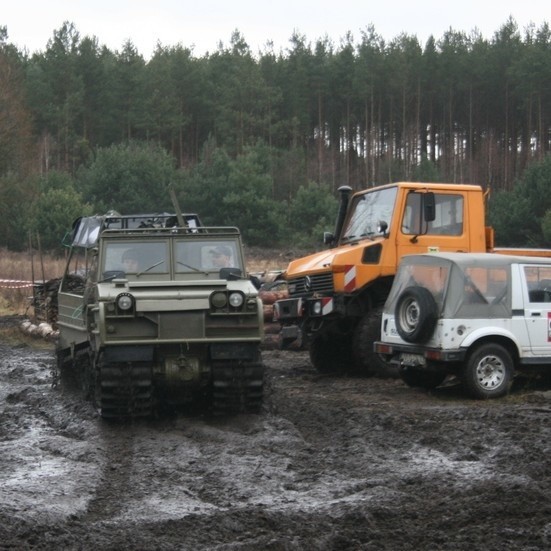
pixel 366 361
pixel 331 353
pixel 488 371
pixel 415 314
pixel 421 378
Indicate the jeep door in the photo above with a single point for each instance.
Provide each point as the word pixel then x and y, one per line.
pixel 536 295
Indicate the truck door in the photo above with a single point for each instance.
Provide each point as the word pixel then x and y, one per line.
pixel 447 232
pixel 71 299
pixel 536 290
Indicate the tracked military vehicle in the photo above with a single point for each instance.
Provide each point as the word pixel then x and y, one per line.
pixel 157 310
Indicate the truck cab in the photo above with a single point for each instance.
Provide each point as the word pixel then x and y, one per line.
pixel 480 317
pixel 336 296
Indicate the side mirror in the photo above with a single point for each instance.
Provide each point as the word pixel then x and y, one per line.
pixel 328 238
pixel 382 226
pixel 429 206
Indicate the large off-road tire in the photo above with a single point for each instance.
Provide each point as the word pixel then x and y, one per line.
pixel 415 314
pixel 488 371
pixel 366 361
pixel 421 378
pixel 331 352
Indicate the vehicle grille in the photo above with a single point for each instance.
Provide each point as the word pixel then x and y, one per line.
pixel 308 285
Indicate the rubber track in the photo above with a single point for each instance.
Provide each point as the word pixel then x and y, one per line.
pixel 125 391
pixel 238 387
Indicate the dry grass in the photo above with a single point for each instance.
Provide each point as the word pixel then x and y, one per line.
pixel 24 267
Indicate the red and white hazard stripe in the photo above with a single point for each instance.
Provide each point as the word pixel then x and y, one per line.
pixel 15 283
pixel 349 278
pixel 326 306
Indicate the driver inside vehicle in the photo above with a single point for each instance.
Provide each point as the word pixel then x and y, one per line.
pixel 221 256
pixel 130 261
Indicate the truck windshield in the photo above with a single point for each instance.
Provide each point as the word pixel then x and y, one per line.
pixel 367 211
pixel 135 257
pixel 206 255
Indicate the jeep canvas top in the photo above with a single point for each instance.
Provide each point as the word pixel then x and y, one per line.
pixel 479 316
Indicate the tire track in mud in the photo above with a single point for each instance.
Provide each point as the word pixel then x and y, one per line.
pixel 113 488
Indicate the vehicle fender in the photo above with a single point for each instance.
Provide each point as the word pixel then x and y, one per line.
pixel 488 332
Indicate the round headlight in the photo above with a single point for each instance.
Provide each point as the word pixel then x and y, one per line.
pixel 236 300
pixel 219 300
pixel 125 302
pixel 316 308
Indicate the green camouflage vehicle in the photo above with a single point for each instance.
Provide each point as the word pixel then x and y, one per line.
pixel 156 310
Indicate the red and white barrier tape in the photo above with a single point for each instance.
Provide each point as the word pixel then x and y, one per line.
pixel 15 283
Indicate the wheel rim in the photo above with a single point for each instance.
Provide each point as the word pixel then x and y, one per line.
pixel 490 372
pixel 409 317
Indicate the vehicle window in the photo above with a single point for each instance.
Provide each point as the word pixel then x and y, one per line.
pixel 82 264
pixel 538 279
pixel 485 285
pixel 135 257
pixel 368 210
pixel 206 255
pixel 448 215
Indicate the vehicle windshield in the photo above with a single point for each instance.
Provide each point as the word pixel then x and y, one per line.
pixel 206 255
pixel 202 256
pixel 135 257
pixel 368 210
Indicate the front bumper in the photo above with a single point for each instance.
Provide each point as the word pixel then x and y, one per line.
pixel 299 316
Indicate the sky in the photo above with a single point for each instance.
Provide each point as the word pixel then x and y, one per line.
pixel 203 24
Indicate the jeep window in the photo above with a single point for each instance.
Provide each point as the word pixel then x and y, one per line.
pixel 448 215
pixel 132 257
pixel 431 275
pixel 538 279
pixel 479 292
pixel 206 255
pixel 368 210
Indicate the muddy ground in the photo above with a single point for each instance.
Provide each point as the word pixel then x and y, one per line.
pixel 331 463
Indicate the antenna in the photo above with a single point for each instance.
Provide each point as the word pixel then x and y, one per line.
pixel 181 221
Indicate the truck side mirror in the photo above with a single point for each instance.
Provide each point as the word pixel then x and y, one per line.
pixel 382 226
pixel 429 206
pixel 328 238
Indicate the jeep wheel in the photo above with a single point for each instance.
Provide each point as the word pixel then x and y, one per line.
pixel 488 372
pixel 415 314
pixel 421 378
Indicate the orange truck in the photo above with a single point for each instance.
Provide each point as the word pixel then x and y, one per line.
pixel 336 295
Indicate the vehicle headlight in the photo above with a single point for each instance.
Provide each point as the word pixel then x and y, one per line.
pixel 125 302
pixel 316 308
pixel 219 300
pixel 236 300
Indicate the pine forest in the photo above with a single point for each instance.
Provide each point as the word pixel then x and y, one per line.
pixel 264 139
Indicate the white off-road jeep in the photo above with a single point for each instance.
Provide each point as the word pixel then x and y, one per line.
pixel 481 317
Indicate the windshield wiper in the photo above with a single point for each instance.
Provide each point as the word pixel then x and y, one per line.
pixel 192 267
pixel 149 268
